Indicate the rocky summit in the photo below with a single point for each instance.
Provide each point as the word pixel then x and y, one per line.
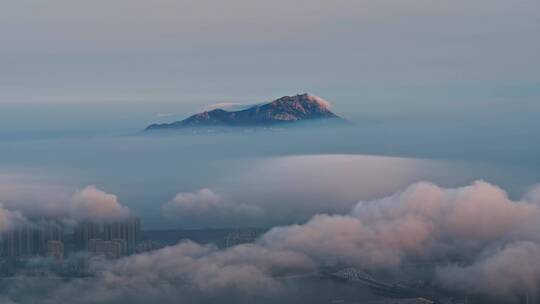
pixel 285 110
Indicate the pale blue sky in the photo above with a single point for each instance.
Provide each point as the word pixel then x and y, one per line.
pixel 431 53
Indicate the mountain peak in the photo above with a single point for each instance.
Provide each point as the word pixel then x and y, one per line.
pixel 287 109
pixel 305 98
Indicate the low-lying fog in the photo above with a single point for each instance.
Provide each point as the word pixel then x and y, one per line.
pixel 252 178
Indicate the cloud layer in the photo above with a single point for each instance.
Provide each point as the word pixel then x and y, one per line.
pixel 477 229
pixel 484 244
pixel 29 197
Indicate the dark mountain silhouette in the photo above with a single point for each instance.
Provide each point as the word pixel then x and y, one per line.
pixel 285 110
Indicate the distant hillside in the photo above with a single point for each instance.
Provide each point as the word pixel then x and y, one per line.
pixel 288 109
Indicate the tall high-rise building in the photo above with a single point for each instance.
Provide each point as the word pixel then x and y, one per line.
pixel 48 230
pixel 43 237
pixel 112 249
pixel 127 230
pixel 30 239
pixel 20 242
pixel 83 233
pixel 55 249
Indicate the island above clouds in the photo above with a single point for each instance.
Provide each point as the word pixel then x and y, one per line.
pixel 282 111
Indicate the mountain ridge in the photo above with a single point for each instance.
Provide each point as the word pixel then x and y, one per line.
pixel 284 110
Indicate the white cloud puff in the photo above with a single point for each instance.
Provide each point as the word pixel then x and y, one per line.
pixel 9 219
pixel 206 203
pixel 91 203
pixel 227 106
pixel 198 202
pixel 32 196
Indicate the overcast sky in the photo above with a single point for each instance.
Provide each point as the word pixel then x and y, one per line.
pixel 101 50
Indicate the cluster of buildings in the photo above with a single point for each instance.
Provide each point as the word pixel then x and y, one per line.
pixel 241 236
pixel 112 240
pixel 53 238
pixel 33 239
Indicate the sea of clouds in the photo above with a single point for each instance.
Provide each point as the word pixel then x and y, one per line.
pixel 482 242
